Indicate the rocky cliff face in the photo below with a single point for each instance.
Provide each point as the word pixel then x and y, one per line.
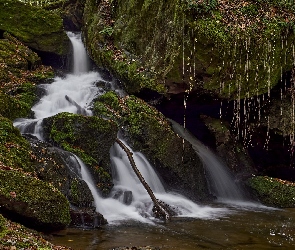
pixel 230 49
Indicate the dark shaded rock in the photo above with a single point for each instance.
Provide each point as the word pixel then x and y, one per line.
pixel 61 169
pixel 86 218
pixel 229 149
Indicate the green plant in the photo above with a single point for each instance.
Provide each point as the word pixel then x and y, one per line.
pixel 107 31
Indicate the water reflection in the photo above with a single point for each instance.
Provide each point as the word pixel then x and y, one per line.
pixel 259 228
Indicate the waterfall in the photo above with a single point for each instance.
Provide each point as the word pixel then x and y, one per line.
pixel 128 200
pixel 80 57
pixel 72 93
pixel 140 205
pixel 220 179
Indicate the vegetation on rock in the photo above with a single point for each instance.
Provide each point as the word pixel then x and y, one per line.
pixel 37 203
pixel 88 137
pixel 273 191
pixel 14 149
pixel 20 70
pixel 35 27
pixel 16 236
pixel 186 45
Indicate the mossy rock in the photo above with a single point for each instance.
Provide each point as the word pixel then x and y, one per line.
pixel 26 238
pixel 59 168
pixel 227 50
pixel 36 27
pixel 14 149
pixel 88 137
pixel 272 191
pixel 20 69
pixel 32 201
pixel 150 133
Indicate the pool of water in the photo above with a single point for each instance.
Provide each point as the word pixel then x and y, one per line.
pixel 237 227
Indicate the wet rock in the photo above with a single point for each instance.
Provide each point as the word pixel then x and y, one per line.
pixel 89 137
pixel 86 218
pixel 127 197
pixel 229 149
pixel 61 169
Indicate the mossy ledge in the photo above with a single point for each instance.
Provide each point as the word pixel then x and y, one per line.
pixel 37 28
pixel 32 201
pixel 231 49
pixel 273 191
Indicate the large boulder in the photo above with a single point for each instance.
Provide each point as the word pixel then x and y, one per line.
pixel 32 202
pixel 225 48
pixel 61 169
pixel 149 132
pixel 35 27
pixel 88 137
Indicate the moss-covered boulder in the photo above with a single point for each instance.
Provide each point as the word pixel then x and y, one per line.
pixel 231 49
pixel 60 168
pixel 16 236
pixel 273 191
pixel 150 133
pixel 32 201
pixel 20 70
pixel 14 149
pixel 37 28
pixel 88 137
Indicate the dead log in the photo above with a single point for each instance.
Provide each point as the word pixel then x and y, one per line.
pixel 160 209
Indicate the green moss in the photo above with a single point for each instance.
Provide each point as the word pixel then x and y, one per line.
pixel 14 149
pixel 26 238
pixel 36 27
pixel 273 192
pixel 37 200
pixel 232 50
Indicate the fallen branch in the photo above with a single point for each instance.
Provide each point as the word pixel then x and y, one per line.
pixel 160 209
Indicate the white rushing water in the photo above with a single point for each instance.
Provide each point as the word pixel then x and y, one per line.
pixel 220 180
pixel 128 200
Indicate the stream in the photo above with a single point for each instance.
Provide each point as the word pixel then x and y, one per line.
pixel 240 228
pixel 232 222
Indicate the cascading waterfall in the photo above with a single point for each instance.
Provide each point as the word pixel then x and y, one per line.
pixel 128 200
pixel 221 181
